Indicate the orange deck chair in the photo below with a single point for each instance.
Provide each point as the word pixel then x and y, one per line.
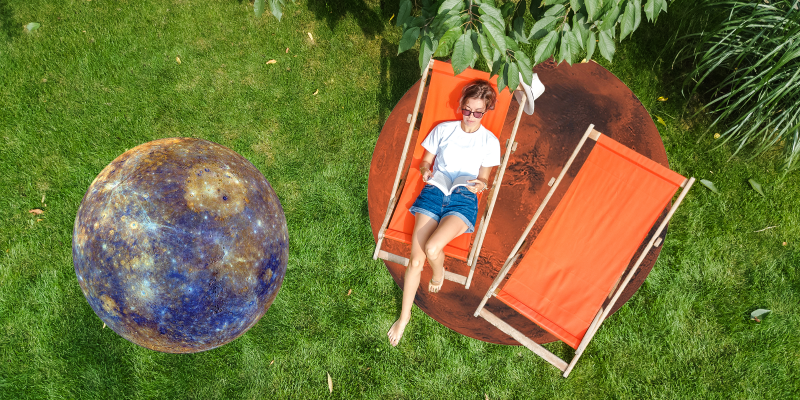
pixel 441 105
pixel 578 259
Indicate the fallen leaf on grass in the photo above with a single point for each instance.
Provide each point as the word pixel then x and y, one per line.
pixel 272 362
pixel 716 136
pixel 662 98
pixel 330 383
pixel 178 60
pixel 486 396
pixel 784 243
pixel 271 62
pixel 36 211
pixel 43 195
pixel 287 49
pixel 104 326
pixel 756 186
pixel 661 120
pixel 349 291
pixel 32 26
pixel 315 92
pixel 39 220
pixel 391 18
pixel 758 313
pixel 311 37
pixel 707 183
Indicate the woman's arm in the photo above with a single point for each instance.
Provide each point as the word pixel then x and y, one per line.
pixel 425 166
pixel 481 182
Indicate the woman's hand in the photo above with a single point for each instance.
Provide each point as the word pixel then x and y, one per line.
pixel 477 186
pixel 426 174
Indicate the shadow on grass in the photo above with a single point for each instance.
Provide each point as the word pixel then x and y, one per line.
pixel 8 26
pixel 333 11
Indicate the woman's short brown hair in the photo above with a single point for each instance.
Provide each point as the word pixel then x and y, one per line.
pixel 479 89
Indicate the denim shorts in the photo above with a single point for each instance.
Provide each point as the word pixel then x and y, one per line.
pixel 462 203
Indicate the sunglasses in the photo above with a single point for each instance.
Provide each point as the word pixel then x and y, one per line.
pixel 476 114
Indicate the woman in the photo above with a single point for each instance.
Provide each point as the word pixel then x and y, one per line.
pixel 461 148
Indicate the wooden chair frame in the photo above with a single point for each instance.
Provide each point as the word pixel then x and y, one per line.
pixel 614 295
pixel 402 173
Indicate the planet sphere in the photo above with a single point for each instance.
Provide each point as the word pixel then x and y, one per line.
pixel 180 245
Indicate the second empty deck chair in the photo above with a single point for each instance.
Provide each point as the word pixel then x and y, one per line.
pixel 442 104
pixel 572 273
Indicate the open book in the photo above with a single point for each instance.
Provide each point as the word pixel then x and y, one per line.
pixel 444 184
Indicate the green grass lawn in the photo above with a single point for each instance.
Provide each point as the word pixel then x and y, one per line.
pixel 101 76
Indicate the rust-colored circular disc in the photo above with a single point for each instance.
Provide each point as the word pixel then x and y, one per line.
pixel 575 96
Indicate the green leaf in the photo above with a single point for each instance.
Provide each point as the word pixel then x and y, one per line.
pixel 536 9
pixel 656 9
pixel 592 7
pixel 275 9
pixel 546 47
pixel 637 16
pixel 502 77
pixel 447 41
pixel 607 46
pixel 415 22
pixel 463 53
pixel 258 8
pixel 489 10
pixel 556 10
pixel 610 18
pixel 580 28
pixel 756 186
pixel 426 49
pixel 649 9
pixel 519 30
pixel 511 44
pixel 513 77
pixel 405 12
pixel 476 48
pixel 525 66
pixel 591 43
pixel 542 27
pixel 507 9
pixel 760 313
pixel 497 63
pixel 575 41
pixel 627 21
pixel 565 52
pixel 451 4
pixel 551 2
pixel 710 185
pixel 521 7
pixel 486 48
pixel 32 26
pixel 409 38
pixel 576 5
pixel 495 34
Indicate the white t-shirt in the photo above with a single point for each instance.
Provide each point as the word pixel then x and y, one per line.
pixel 459 153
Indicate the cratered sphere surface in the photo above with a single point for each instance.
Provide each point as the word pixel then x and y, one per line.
pixel 180 245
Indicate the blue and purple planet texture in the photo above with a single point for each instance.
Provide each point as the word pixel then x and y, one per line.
pixel 180 245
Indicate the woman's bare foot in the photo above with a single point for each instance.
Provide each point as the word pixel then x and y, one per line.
pixel 435 285
pixel 396 331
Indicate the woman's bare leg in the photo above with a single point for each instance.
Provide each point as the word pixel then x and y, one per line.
pixel 449 228
pixel 423 228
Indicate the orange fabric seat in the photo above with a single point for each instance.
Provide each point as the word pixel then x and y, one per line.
pixel 442 104
pixel 585 246
pixel 575 270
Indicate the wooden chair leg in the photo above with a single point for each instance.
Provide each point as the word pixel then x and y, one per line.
pixel 395 195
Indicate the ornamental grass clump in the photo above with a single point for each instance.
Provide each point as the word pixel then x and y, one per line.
pixel 747 58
